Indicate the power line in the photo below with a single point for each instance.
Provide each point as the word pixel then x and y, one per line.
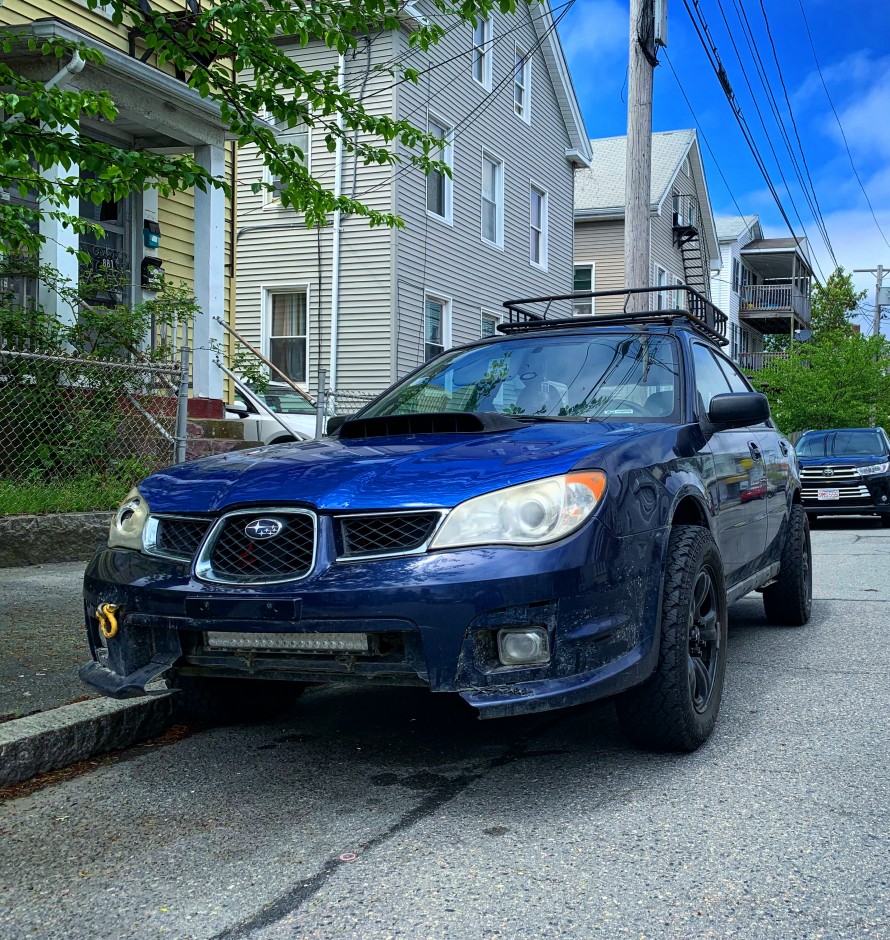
pixel 813 202
pixel 840 126
pixel 713 57
pixel 701 130
pixel 759 113
pixel 466 122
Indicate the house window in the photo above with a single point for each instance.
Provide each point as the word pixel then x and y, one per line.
pixel 522 84
pixel 584 281
pixel 662 297
pixel 734 341
pixel 492 200
pixel 538 227
pixel 106 274
pixel 438 185
pixel 489 324
pixel 482 52
pixel 287 333
pixel 736 274
pixel 686 168
pixel 435 326
pixel 296 136
pixel 679 298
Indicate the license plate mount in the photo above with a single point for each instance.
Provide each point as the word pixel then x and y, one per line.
pixel 823 495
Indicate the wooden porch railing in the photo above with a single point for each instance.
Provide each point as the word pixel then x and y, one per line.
pixel 780 298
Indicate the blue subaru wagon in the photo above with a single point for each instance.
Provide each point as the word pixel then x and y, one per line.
pixel 553 515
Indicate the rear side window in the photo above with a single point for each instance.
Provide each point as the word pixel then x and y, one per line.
pixel 709 378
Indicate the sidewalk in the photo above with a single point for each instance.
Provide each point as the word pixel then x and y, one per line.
pixel 42 639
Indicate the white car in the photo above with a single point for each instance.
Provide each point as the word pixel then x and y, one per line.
pixel 256 410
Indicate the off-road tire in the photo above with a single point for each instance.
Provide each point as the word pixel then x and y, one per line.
pixel 660 714
pixel 788 601
pixel 232 701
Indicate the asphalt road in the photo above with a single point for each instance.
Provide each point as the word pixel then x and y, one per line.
pixel 525 828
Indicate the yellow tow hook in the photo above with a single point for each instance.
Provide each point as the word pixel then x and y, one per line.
pixel 106 614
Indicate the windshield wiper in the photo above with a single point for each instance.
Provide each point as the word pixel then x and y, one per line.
pixel 546 418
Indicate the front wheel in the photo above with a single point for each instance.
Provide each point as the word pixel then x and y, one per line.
pixel 232 701
pixel 788 601
pixel 676 708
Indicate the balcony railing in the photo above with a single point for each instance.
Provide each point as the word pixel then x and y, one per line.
pixel 759 360
pixel 774 298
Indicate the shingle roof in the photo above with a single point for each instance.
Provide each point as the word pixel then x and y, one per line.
pixel 730 227
pixel 602 185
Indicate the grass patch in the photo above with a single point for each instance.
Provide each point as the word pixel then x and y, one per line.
pixel 84 494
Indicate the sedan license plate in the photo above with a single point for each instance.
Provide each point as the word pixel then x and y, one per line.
pixel 828 494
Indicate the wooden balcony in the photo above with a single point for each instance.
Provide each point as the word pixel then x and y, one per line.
pixel 771 308
pixel 753 362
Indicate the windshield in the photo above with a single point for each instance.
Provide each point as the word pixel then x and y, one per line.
pixel 865 443
pixel 612 377
pixel 284 401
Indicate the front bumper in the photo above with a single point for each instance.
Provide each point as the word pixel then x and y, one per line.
pixel 866 496
pixel 432 620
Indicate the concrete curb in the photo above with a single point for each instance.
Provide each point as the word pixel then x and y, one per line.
pixel 62 736
pixel 56 537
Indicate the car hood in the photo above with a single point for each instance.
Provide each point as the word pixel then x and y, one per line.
pixel 857 461
pixel 410 471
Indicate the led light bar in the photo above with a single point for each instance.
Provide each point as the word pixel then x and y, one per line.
pixel 305 642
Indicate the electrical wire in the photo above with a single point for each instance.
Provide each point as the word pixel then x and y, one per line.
pixel 760 117
pixel 840 126
pixel 702 31
pixel 701 131
pixel 809 193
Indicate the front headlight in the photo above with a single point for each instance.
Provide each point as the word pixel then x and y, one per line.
pixel 128 522
pixel 527 514
pixel 873 469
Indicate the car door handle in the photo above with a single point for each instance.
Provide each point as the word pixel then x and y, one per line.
pixel 755 451
pixel 783 447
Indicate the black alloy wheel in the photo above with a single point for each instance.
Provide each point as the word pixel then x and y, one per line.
pixel 704 641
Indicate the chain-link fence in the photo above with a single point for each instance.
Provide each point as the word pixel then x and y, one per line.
pixel 342 401
pixel 76 434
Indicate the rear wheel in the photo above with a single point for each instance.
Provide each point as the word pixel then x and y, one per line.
pixel 676 708
pixel 788 601
pixel 233 701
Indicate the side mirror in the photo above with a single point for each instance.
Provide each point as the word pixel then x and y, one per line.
pixel 238 409
pixel 738 409
pixel 335 422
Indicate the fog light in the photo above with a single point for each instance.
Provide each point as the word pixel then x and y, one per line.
pixel 523 646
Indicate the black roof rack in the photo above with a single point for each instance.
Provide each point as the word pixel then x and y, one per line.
pixel 698 312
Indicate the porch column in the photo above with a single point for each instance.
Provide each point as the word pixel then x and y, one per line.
pixel 210 209
pixel 58 248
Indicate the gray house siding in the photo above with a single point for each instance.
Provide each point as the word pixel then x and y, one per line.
pixel 452 262
pixel 602 244
pixel 276 251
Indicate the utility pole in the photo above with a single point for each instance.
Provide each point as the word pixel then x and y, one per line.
pixel 638 175
pixel 878 272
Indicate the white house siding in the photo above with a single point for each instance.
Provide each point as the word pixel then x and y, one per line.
pixel 663 251
pixel 727 299
pixel 276 250
pixel 452 261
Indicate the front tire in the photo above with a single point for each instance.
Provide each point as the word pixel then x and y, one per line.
pixel 788 601
pixel 676 708
pixel 233 701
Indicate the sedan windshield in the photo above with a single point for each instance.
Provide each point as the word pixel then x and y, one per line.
pixel 610 377
pixel 864 443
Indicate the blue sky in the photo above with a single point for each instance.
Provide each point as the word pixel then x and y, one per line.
pixel 851 43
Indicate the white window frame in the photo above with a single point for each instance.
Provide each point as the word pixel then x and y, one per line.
pixel 266 292
pixel 446 155
pixel 269 197
pixel 592 301
pixel 662 296
pixel 498 243
pixel 678 282
pixel 482 51
pixel 525 73
pixel 544 230
pixel 485 314
pixel 438 298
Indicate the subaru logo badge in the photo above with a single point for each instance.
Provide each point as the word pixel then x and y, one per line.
pixel 263 528
pixel 828 472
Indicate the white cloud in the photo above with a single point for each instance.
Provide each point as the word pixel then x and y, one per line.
pixel 594 30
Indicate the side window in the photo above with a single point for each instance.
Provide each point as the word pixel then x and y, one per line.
pixel 709 378
pixel 737 382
